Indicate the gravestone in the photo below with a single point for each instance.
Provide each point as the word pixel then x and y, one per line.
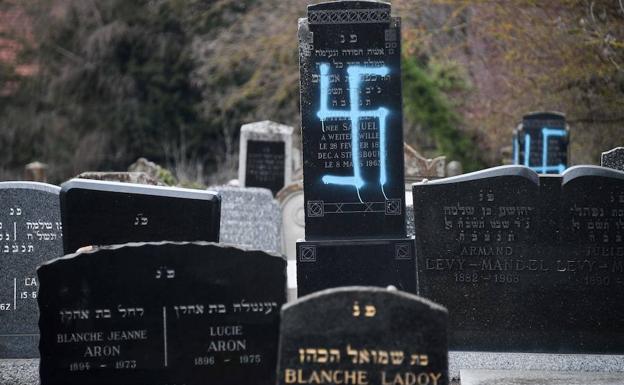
pixel 250 217
pixel 525 263
pixel 541 142
pixel 172 313
pixel 613 159
pixel 353 177
pixel 104 213
pixel 30 233
pixel 265 155
pixel 359 335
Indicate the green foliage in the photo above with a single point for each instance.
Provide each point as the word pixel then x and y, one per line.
pixel 166 176
pixel 425 104
pixel 115 80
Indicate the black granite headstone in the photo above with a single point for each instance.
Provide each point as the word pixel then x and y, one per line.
pixel 525 262
pixel 350 62
pixel 351 112
pixel 358 335
pixel 104 213
pixel 265 165
pixel 161 313
pixel 541 142
pixel 30 233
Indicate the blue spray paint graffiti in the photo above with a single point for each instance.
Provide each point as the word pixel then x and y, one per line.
pixel 545 168
pixel 354 114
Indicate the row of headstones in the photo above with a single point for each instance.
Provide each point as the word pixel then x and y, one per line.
pixel 85 289
pixel 194 313
pixel 127 313
pixel 185 312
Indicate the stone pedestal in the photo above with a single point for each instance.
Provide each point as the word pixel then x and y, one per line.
pixel 374 262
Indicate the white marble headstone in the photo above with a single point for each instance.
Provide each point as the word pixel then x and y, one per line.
pixel 265 155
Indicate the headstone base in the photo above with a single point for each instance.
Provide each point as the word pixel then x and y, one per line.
pixel 336 263
pixel 461 361
pixel 19 346
pixel 533 377
pixel 19 372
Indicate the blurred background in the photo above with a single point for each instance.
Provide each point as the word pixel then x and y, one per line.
pixel 96 84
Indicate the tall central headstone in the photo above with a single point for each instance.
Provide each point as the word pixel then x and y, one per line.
pixel 350 63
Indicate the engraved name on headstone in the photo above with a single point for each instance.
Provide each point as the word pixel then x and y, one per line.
pixel 353 175
pixel 525 262
pixel 30 233
pixel 541 142
pixel 359 335
pixel 104 213
pixel 265 155
pixel 161 313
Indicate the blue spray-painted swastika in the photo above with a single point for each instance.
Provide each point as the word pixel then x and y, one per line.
pixel 545 168
pixel 354 114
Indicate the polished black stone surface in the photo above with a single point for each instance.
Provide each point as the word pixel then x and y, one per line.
pixel 30 233
pixel 265 164
pixel 541 142
pixel 105 213
pixel 351 111
pixel 380 262
pixel 161 313
pixel 359 335
pixel 523 262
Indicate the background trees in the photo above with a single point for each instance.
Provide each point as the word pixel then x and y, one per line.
pixel 174 80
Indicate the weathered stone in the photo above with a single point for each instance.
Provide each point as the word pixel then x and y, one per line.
pixel 250 217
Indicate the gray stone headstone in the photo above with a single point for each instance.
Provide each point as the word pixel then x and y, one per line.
pixel 250 217
pixel 613 159
pixel 265 155
pixel 30 233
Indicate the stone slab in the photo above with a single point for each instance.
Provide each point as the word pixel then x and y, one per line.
pixel 250 218
pixel 363 335
pixel 524 377
pixel 523 262
pixel 265 155
pixel 98 213
pixel 374 262
pixel 595 363
pixel 613 159
pixel 30 234
pixel 19 371
pixel 541 142
pixel 351 112
pixel 160 314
